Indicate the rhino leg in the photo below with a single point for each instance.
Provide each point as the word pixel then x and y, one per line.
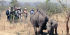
pixel 35 29
pixel 49 32
pixel 40 30
pixel 44 28
pixel 56 31
pixel 52 30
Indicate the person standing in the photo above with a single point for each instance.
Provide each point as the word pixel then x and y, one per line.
pixel 25 12
pixel 32 11
pixel 20 12
pixel 16 13
pixel 8 14
pixel 37 10
pixel 12 15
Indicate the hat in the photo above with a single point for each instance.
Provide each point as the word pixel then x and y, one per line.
pixel 25 8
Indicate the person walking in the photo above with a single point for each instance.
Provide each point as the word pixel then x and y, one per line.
pixel 32 11
pixel 20 13
pixel 25 12
pixel 8 14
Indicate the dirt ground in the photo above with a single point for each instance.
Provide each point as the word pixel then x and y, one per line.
pixel 26 28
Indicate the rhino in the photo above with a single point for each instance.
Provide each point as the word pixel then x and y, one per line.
pixel 39 20
pixel 51 25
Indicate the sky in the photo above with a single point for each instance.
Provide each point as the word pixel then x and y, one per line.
pixel 29 0
pixel 55 1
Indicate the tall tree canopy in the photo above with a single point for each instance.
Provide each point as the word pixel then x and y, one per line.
pixel 14 3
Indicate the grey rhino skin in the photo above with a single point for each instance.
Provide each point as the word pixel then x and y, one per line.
pixel 51 25
pixel 39 19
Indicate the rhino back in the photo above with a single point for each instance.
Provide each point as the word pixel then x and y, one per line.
pixel 38 19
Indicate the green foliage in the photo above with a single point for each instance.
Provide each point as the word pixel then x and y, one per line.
pixel 2 8
pixel 47 1
pixel 63 5
pixel 14 3
pixel 50 8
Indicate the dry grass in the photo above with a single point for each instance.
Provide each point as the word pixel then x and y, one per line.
pixel 26 28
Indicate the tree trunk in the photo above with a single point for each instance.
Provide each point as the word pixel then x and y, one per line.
pixel 67 28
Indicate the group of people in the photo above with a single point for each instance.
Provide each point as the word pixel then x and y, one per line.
pixel 13 13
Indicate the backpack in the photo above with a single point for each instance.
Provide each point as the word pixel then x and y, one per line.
pixel 7 13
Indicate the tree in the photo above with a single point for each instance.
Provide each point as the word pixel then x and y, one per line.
pixel 14 3
pixel 26 5
pixel 2 4
pixel 47 1
pixel 67 17
pixel 52 8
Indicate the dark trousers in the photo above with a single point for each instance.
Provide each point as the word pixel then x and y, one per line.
pixel 8 17
pixel 25 16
